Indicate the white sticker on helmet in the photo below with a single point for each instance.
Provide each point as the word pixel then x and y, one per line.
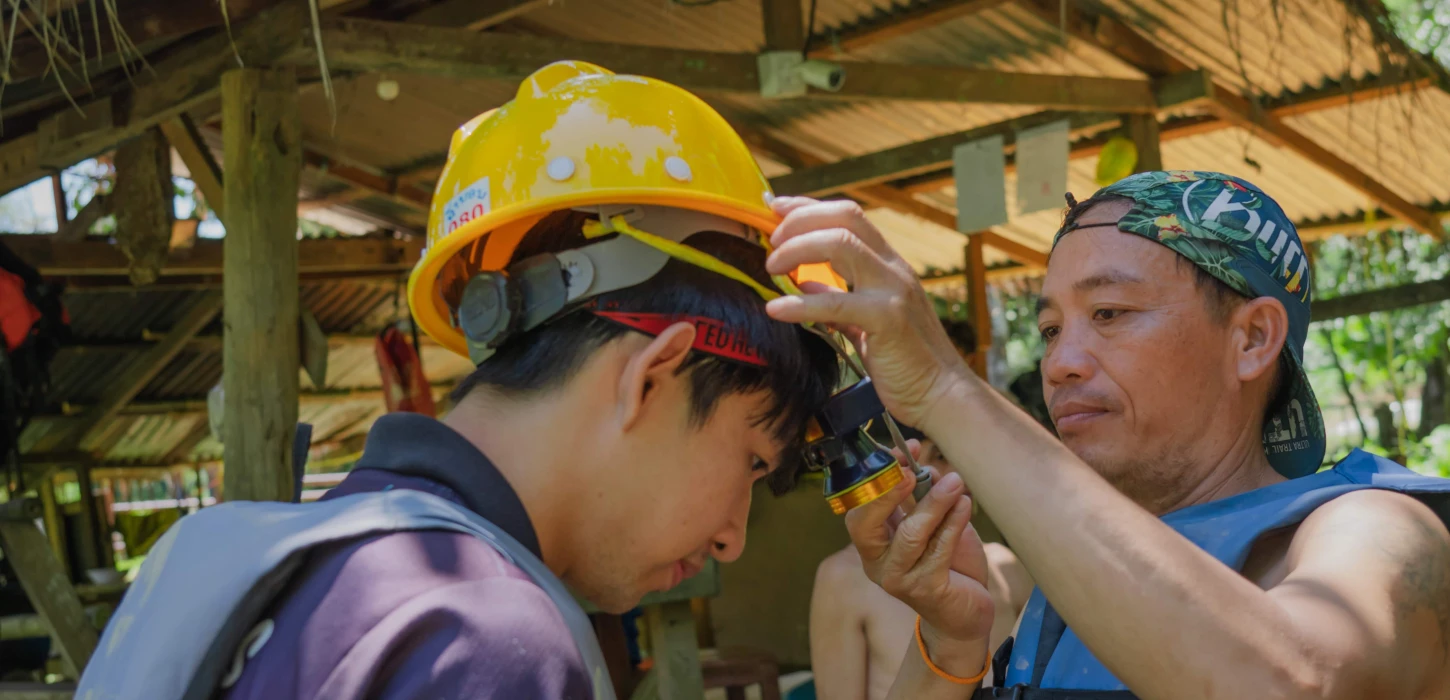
pixel 472 203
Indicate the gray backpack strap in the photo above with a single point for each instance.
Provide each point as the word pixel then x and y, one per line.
pixel 199 599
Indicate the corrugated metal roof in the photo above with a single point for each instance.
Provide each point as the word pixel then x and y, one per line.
pixel 125 315
pixel 1280 45
pixel 1404 140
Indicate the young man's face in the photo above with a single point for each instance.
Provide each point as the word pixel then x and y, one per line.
pixel 683 496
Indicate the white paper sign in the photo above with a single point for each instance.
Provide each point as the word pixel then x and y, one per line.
pixel 1042 167
pixel 980 169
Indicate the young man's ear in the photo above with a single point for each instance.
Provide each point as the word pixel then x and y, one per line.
pixel 1262 329
pixel 651 366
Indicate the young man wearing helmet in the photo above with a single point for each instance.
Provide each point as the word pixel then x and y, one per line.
pixel 595 247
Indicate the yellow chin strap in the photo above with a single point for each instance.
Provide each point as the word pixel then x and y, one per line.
pixel 684 253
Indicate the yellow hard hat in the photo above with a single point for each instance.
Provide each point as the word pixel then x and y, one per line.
pixel 577 135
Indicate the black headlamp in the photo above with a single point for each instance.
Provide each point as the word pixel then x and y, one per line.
pixel 858 470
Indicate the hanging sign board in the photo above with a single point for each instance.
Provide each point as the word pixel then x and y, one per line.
pixel 980 170
pixel 1042 167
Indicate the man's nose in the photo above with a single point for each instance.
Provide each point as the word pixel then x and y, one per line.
pixel 1069 359
pixel 729 542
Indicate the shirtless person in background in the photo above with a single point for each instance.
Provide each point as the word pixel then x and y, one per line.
pixel 858 630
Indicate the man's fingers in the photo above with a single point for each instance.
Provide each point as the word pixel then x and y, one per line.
pixel 916 530
pixel 869 526
pixel 944 542
pixel 848 309
pixel 847 255
pixel 785 204
pixel 814 216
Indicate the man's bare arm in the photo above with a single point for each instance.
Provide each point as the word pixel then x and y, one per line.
pixel 838 632
pixel 1160 613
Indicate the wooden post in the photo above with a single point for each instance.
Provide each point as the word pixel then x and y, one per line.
pixel 62 212
pixel 46 585
pixel 1143 130
pixel 784 25
pixel 263 158
pixel 89 540
pixel 54 522
pixel 981 316
pixel 676 651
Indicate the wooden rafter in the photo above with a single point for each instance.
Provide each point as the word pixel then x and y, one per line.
pixel 474 15
pixel 896 23
pixel 198 405
pixel 364 45
pixel 183 136
pixel 360 256
pixel 142 22
pixel 1403 296
pixel 393 188
pixel 205 344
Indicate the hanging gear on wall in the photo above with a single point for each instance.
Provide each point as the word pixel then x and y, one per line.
pixel 34 325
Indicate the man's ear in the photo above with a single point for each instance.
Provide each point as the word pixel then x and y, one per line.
pixel 1261 329
pixel 651 366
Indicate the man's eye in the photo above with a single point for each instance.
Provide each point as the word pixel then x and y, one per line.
pixel 1107 314
pixel 1049 332
pixel 759 465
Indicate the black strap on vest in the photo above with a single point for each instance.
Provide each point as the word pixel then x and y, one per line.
pixel 1053 627
pixel 301 443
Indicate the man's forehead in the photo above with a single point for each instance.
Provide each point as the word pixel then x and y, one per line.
pixel 1105 212
pixel 1094 258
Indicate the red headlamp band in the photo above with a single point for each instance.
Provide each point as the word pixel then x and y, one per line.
pixel 711 336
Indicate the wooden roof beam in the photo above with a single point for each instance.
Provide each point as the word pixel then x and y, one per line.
pixel 393 188
pixel 183 136
pixel 473 15
pixel 360 256
pixel 885 26
pixel 363 45
pixel 185 78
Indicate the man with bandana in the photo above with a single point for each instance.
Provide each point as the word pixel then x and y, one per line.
pixel 1185 536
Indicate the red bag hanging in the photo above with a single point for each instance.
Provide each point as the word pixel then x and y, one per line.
pixel 405 389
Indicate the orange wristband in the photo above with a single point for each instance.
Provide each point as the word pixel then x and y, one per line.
pixel 921 644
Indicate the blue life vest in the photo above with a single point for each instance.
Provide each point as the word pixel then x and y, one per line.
pixel 1226 529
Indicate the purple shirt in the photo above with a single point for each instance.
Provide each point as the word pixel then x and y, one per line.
pixel 424 614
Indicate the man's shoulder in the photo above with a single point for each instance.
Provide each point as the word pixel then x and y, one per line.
pixel 1369 510
pixel 1395 533
pixel 841 570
